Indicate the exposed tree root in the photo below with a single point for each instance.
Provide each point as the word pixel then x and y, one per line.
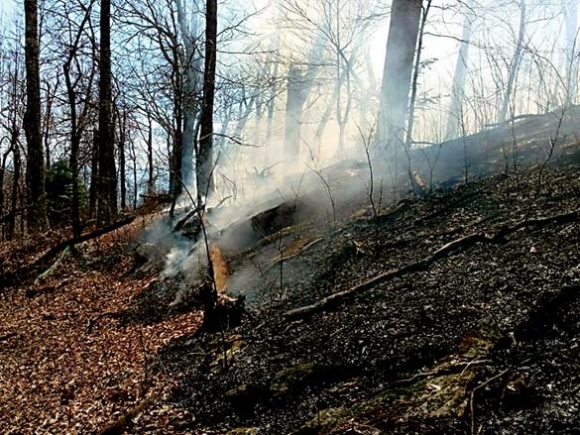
pixel 52 269
pixel 462 243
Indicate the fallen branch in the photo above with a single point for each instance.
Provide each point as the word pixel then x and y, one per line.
pixel 479 387
pixel 462 243
pixel 18 277
pixel 179 225
pixel 296 254
pixel 48 272
pixel 453 368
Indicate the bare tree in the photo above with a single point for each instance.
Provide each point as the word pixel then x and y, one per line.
pixel 107 188
pixel 73 75
pixel 204 159
pixel 35 175
pixel 460 75
pixel 401 44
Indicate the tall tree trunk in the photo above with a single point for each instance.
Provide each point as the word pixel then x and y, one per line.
pixel 460 75
pixel 75 141
pixel 175 140
pixel 15 188
pixel 122 122
pixel 514 65
pixel 191 85
pixel 204 161
pixel 2 195
pixel 94 187
pixel 295 99
pixel 571 13
pixel 326 116
pixel 273 92
pixel 396 84
pixel 151 179
pixel 47 122
pixel 107 192
pixel 35 171
pixel 298 89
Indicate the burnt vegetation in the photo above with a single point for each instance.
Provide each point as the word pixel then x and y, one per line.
pixel 216 219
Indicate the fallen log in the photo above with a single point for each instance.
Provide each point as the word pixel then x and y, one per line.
pixel 22 275
pixel 461 243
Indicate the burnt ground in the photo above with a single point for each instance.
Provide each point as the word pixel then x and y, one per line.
pixel 484 339
pixel 474 331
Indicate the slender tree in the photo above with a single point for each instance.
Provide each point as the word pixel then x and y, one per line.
pixel 514 65
pixel 35 171
pixel 460 75
pixel 398 69
pixel 107 187
pixel 204 158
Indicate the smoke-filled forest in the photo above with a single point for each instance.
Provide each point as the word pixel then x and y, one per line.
pixel 289 217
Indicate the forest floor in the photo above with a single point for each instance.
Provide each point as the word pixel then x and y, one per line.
pixel 460 314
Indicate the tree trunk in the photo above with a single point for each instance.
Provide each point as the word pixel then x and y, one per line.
pixel 151 179
pixel 107 192
pixel 175 139
pixel 47 122
pixel 458 87
pixel 2 198
pixel 75 141
pixel 191 84
pixel 401 44
pixel 204 161
pixel 15 187
pixel 571 13
pixel 35 171
pixel 295 99
pixel 514 65
pixel 94 175
pixel 298 89
pixel 273 91
pixel 122 158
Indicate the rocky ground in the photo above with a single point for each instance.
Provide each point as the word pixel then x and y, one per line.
pixel 460 314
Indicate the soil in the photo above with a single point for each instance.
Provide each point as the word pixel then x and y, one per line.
pixel 483 340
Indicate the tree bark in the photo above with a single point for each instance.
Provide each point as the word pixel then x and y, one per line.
pixel 107 191
pixel 122 122
pixel 191 91
pixel 94 175
pixel 401 44
pixel 204 161
pixel 151 179
pixel 571 14
pixel 458 87
pixel 514 64
pixel 15 188
pixel 35 171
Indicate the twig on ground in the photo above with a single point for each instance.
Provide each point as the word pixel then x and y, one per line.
pixel 464 242
pixel 444 371
pixel 289 257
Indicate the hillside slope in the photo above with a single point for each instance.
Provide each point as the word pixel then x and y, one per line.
pixel 459 314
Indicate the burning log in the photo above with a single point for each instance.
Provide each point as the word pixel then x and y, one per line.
pixel 274 219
